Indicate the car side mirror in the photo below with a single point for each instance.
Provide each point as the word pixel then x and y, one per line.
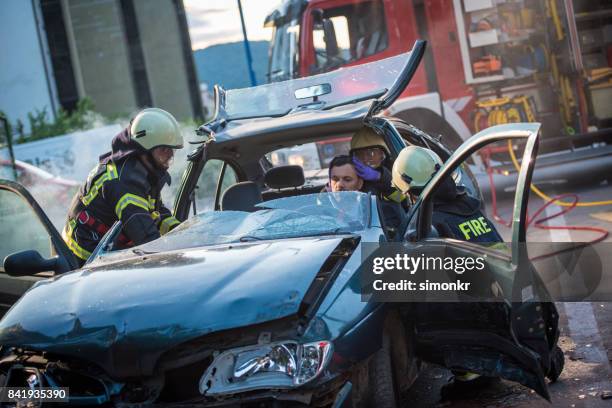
pixel 30 262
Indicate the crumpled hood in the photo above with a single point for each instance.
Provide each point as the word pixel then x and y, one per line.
pixel 122 316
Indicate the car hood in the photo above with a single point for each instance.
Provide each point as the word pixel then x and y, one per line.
pixel 137 308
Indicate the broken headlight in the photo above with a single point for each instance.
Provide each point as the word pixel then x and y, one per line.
pixel 274 365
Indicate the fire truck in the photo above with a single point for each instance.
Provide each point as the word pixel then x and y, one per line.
pixel 488 61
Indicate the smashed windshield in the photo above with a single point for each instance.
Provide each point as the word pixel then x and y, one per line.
pixel 291 217
pixel 365 81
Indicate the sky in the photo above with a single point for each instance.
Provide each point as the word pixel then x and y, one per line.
pixel 218 21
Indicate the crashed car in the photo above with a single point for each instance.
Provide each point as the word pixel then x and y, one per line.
pixel 255 299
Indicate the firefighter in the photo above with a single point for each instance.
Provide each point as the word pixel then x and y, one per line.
pixel 126 186
pixel 372 162
pixel 455 215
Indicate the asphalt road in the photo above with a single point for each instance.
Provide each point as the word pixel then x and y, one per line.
pixel 586 328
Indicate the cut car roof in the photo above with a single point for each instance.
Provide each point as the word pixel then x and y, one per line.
pixel 296 128
pixel 274 114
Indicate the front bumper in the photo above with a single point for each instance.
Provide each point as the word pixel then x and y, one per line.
pixel 337 394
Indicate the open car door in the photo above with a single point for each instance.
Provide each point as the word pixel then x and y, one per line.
pixel 515 335
pixel 30 247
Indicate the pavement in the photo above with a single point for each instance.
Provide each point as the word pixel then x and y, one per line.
pixel 586 327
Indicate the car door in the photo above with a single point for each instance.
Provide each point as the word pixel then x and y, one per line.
pixel 513 338
pixel 25 227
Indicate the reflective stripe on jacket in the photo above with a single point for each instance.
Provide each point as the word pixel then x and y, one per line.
pixel 123 191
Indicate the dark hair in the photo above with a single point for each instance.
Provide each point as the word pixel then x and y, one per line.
pixel 338 161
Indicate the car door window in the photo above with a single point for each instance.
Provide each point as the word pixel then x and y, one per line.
pixel 419 226
pixel 506 260
pixel 216 176
pixel 21 228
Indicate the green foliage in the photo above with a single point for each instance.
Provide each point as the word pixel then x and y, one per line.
pixel 41 127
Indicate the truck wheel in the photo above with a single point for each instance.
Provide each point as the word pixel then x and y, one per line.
pixel 557 362
pixel 381 380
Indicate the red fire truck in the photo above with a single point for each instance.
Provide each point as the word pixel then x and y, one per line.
pixel 488 61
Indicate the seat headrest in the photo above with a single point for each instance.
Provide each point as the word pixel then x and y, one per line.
pixel 284 177
pixel 241 197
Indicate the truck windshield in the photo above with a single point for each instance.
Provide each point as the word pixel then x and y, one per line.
pixel 284 52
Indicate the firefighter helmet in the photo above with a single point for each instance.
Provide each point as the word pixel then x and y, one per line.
pixel 154 127
pixel 414 167
pixel 367 137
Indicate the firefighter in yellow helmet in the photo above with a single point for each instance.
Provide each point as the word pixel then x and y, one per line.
pixel 126 185
pixel 371 158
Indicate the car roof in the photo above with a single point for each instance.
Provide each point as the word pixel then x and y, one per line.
pixel 259 119
pixel 305 108
pixel 294 128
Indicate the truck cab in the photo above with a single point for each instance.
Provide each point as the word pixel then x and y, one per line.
pixel 317 36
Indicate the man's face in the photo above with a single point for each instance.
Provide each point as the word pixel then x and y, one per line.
pixel 344 178
pixel 162 157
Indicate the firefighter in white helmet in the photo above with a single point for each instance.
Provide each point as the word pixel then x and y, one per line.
pixel 455 213
pixel 126 185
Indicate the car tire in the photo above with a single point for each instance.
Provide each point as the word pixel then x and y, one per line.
pixel 557 362
pixel 381 379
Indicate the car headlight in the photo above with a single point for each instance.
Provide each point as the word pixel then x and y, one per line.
pixel 275 365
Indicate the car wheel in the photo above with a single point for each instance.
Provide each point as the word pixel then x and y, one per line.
pixel 557 362
pixel 379 381
pixel 383 392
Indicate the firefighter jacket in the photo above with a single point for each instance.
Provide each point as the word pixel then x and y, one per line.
pixel 457 215
pixel 382 186
pixel 121 188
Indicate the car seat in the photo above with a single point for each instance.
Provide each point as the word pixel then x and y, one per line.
pixel 283 181
pixel 241 196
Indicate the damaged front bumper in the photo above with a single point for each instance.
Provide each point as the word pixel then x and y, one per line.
pixel 88 386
